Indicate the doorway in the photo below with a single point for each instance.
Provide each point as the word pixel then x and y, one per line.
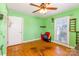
pixel 15 30
pixel 62 30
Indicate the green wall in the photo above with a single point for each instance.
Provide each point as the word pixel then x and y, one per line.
pixel 74 13
pixel 32 25
pixel 3 40
pixel 50 27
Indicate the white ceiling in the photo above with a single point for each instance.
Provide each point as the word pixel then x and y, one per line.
pixel 28 9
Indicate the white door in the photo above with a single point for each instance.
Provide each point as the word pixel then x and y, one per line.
pixel 62 30
pixel 15 30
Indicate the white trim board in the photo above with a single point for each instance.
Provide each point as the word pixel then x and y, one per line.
pixel 26 41
pixel 39 38
pixel 64 45
pixel 30 40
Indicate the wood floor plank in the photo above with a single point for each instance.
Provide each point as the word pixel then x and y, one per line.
pixel 39 48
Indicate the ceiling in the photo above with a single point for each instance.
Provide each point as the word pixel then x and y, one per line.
pixel 28 9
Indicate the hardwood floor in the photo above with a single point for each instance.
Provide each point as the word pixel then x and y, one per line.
pixel 39 48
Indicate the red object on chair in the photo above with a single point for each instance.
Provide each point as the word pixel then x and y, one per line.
pixel 48 34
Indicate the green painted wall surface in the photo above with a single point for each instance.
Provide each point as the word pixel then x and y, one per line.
pixel 3 40
pixel 50 28
pixel 74 13
pixel 32 25
pixel 3 7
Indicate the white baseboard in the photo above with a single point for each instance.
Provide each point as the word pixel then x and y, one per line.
pixel 25 41
pixel 39 39
pixel 64 45
pixel 31 40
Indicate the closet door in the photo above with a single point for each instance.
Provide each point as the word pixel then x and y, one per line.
pixel 15 30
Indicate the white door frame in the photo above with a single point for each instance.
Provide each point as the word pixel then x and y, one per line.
pixel 67 31
pixel 8 29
